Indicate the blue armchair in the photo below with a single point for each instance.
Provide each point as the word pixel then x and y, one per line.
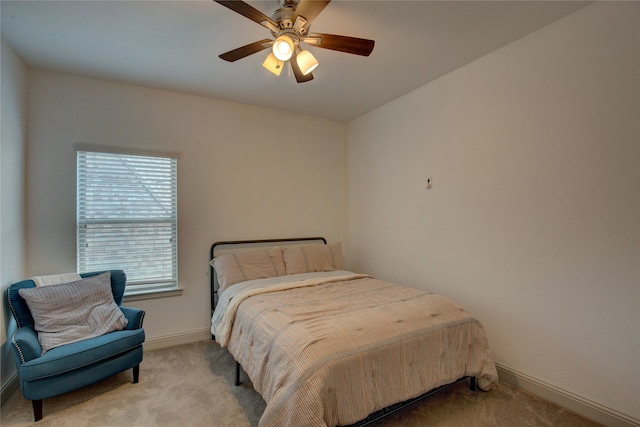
pixel 71 366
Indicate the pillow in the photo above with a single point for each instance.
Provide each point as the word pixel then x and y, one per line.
pixel 311 258
pixel 248 264
pixel 71 312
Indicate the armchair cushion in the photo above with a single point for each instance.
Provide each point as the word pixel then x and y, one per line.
pixel 82 353
pixel 71 312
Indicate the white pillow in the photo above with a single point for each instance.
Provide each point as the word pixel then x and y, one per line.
pixel 71 312
pixel 248 264
pixel 312 258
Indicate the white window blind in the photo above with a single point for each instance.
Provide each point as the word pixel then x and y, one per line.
pixel 127 217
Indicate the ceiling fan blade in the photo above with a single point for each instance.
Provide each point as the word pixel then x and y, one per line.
pixel 300 78
pixel 250 49
pixel 345 44
pixel 310 9
pixel 248 11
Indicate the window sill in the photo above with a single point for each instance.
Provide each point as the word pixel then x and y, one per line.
pixel 140 296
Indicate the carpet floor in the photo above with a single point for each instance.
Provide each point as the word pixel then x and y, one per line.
pixel 192 385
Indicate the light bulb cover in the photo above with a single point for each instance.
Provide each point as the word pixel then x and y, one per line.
pixel 273 64
pixel 283 47
pixel 306 62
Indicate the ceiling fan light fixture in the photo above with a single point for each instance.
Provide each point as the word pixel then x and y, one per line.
pixel 290 26
pixel 283 47
pixel 306 62
pixel 273 64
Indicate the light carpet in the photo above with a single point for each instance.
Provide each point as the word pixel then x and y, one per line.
pixel 192 385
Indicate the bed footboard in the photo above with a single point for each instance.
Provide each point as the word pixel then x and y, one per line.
pixel 237 379
pixel 385 412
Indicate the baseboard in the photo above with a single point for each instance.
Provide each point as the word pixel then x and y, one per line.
pixel 9 388
pixel 583 406
pixel 176 339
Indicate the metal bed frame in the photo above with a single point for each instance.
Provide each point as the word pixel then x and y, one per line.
pixel 372 418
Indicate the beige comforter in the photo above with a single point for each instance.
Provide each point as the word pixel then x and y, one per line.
pixel 331 350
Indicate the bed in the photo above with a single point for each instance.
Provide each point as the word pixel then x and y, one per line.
pixel 325 346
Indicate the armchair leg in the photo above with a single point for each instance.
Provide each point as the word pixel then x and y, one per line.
pixel 37 409
pixel 37 404
pixel 136 374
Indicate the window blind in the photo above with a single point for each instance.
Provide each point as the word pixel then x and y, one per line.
pixel 127 217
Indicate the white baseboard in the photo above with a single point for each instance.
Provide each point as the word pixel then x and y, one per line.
pixel 583 406
pixel 176 339
pixel 9 388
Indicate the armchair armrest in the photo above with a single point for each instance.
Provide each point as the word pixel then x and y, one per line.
pixel 25 345
pixel 135 317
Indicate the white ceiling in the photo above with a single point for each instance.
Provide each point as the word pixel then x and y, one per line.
pixel 175 45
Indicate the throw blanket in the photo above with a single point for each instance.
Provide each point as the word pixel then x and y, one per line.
pixel 330 351
pixel 54 279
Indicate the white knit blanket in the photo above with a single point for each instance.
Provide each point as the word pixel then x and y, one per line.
pixel 55 279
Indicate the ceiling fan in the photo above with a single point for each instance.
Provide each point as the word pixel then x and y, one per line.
pixel 289 26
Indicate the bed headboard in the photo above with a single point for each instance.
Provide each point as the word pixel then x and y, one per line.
pixel 248 243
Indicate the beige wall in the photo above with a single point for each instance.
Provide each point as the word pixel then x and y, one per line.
pixel 244 172
pixel 13 121
pixel 533 221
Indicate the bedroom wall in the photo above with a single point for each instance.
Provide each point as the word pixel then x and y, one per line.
pixel 13 90
pixel 244 172
pixel 533 221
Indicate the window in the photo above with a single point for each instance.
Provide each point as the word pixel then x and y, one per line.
pixel 127 216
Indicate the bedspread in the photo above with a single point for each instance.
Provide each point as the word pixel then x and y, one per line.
pixel 332 351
